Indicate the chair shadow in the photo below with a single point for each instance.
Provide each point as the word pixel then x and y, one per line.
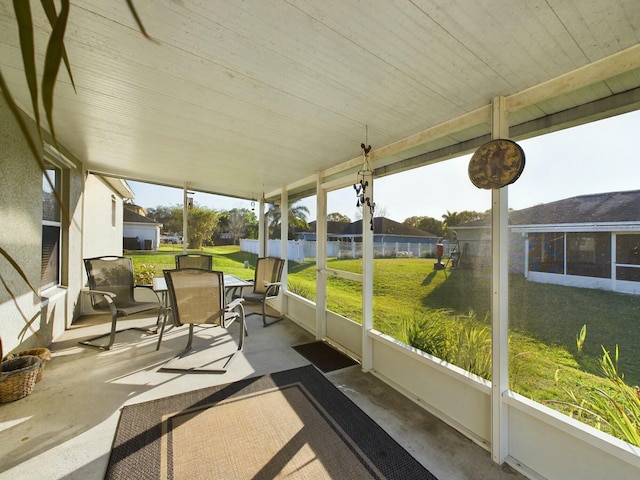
pixel 427 280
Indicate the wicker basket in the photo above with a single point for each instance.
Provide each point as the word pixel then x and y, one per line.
pixel 18 377
pixel 44 354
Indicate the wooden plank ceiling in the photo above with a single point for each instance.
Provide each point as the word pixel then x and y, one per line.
pixel 245 97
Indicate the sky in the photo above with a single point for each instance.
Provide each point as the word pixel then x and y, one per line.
pixel 597 157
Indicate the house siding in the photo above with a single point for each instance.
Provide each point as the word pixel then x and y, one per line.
pixel 88 201
pixel 596 219
pixel 101 236
pixel 21 236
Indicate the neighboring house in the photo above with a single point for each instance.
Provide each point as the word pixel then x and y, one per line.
pixel 139 232
pixel 588 241
pixel 104 199
pixel 384 230
pixel 390 238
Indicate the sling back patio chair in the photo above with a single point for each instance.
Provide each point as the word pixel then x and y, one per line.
pixel 194 260
pixel 197 297
pixel 266 285
pixel 111 288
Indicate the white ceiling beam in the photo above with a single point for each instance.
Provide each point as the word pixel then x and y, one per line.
pixel 598 71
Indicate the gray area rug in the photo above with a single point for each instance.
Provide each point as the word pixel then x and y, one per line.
pixel 294 424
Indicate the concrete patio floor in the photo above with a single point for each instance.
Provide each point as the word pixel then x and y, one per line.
pixel 65 428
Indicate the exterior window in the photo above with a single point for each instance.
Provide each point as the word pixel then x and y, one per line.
pixel 628 257
pixel 589 254
pixel 546 252
pixel 51 229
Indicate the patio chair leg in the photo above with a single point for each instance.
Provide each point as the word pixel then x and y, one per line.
pixel 112 334
pixel 164 322
pixel 170 369
pixel 188 347
pixel 243 328
pixel 265 315
pixel 112 337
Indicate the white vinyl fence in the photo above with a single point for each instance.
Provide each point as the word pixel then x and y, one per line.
pixel 299 250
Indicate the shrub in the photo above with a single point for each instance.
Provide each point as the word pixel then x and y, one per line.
pixel 300 289
pixel 428 332
pixel 461 341
pixel 143 274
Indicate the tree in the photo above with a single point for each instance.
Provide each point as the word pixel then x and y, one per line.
pixel 426 224
pixel 238 223
pixel 452 219
pixel 378 211
pixel 201 223
pixel 297 219
pixel 458 218
pixel 170 218
pixel 338 217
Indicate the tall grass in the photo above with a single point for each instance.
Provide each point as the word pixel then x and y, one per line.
pixel 461 341
pixel 618 407
pixel 611 406
pixel 300 289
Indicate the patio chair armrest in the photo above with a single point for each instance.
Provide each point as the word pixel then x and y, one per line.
pixel 271 287
pixel 234 304
pixel 107 296
pixel 236 307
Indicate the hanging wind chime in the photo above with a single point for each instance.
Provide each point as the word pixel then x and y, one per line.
pixel 362 183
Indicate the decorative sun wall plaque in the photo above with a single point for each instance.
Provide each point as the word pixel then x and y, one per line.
pixel 496 163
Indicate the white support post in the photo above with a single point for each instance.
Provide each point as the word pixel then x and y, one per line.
pixel 367 279
pixel 263 234
pixel 499 298
pixel 526 256
pixel 284 246
pixel 185 218
pixel 321 260
pixel 614 260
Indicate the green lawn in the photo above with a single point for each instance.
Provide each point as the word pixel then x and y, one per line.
pixel 544 362
pixel 544 319
pixel 228 259
pixel 552 315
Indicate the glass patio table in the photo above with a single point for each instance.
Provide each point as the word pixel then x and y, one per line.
pixel 231 283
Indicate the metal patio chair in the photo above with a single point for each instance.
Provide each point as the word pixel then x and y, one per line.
pixel 197 297
pixel 266 285
pixel 111 288
pixel 194 260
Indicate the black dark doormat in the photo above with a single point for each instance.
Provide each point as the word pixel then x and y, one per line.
pixel 323 356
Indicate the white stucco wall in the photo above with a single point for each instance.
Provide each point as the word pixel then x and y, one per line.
pixel 37 316
pixel 102 236
pixel 34 318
